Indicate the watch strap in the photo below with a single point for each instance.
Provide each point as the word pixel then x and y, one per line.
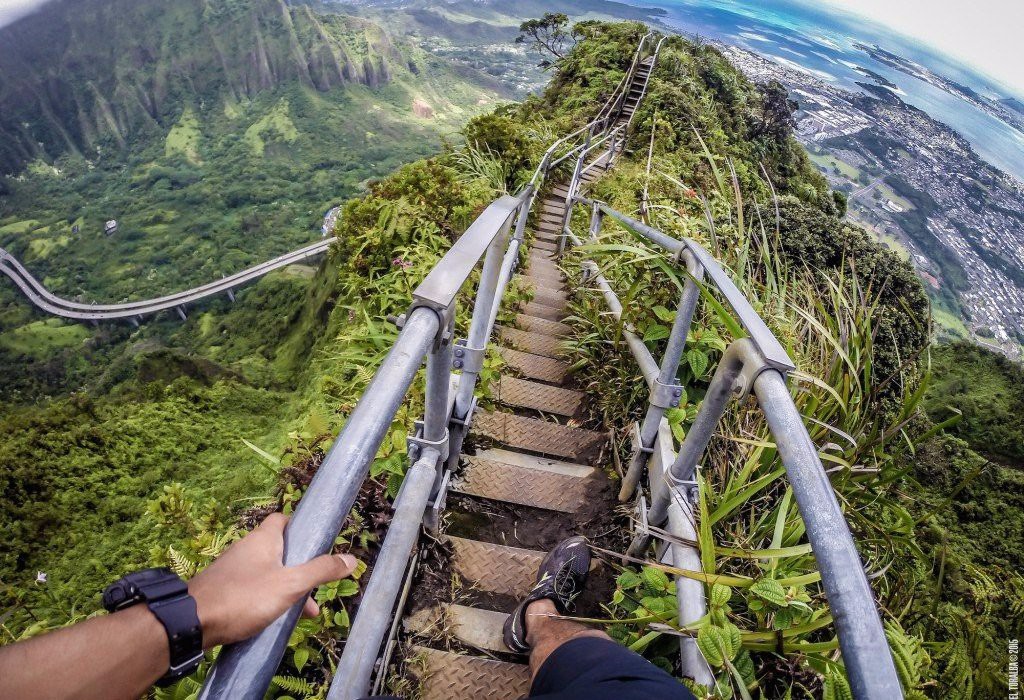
pixel 180 619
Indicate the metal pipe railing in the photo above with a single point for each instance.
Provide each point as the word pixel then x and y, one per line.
pixel 244 670
pixel 866 654
pixel 352 677
pixel 759 363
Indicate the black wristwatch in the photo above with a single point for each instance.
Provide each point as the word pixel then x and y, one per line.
pixel 167 597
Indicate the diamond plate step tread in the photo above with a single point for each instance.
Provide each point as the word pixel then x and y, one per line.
pixel 528 461
pixel 532 366
pixel 542 325
pixel 533 343
pixel 537 488
pixel 549 313
pixel 543 278
pixel 447 676
pixel 548 287
pixel 543 267
pixel 522 393
pixel 545 437
pixel 550 296
pixel 552 209
pixel 496 568
pixel 552 217
pixel 546 272
pixel 544 245
pixel 473 627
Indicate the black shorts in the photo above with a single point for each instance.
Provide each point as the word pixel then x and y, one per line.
pixel 591 668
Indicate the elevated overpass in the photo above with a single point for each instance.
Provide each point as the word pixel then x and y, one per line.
pixel 45 300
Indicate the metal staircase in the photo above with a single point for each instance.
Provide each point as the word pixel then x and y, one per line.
pixel 537 458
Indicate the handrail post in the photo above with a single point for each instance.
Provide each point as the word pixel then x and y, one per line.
pixel 469 355
pixel 573 184
pixel 866 655
pixel 666 377
pixel 740 361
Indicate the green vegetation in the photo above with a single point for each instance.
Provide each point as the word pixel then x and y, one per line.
pixel 161 444
pixel 987 390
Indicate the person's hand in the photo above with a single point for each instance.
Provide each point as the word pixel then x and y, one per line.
pixel 248 587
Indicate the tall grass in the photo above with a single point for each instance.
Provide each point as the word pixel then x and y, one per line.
pixel 762 579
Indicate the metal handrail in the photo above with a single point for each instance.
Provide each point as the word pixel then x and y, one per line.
pixel 58 306
pixel 245 670
pixel 756 364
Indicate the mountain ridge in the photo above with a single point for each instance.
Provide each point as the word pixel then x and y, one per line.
pixel 122 68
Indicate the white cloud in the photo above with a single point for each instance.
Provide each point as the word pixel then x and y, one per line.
pixel 11 10
pixel 986 34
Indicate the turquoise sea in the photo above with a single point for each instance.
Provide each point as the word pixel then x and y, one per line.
pixel 824 44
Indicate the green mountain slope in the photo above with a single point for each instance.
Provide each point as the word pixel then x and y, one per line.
pixel 215 132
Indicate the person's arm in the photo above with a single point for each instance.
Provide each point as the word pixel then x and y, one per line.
pixel 122 654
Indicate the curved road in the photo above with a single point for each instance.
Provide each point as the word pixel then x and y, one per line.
pixel 45 300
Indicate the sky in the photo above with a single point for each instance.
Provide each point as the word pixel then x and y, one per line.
pixel 11 10
pixel 983 33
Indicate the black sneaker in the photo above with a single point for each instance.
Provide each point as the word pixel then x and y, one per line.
pixel 561 577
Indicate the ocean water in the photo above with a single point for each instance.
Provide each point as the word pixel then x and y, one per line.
pixel 823 43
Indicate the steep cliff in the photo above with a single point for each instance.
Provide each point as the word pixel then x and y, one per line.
pixel 87 74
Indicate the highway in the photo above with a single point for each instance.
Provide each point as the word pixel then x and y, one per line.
pixel 135 310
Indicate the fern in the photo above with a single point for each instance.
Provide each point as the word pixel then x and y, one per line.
pixel 181 564
pixel 292 684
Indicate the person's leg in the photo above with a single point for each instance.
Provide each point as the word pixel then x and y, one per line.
pixel 546 631
pixel 569 661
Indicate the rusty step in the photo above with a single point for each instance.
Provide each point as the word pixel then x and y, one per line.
pixel 544 369
pixel 549 313
pixel 535 324
pixel 534 343
pixel 495 568
pixel 474 627
pixel 539 436
pixel 444 675
pixel 526 480
pixel 522 393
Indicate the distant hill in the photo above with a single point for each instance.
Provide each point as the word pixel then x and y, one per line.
pixel 216 132
pixel 1014 104
pixel 81 75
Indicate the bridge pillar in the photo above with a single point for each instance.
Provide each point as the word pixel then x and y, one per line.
pixel 134 321
pixel 231 295
pixel 181 312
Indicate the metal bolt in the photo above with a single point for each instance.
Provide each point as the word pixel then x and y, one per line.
pixel 678 392
pixel 675 403
pixel 460 352
pixel 458 364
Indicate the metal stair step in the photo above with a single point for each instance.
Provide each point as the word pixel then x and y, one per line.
pixel 532 366
pixel 543 277
pixel 544 268
pixel 474 627
pixel 548 286
pixel 549 313
pixel 447 676
pixel 522 393
pixel 534 343
pixel 545 245
pixel 535 324
pixel 553 209
pixel 496 568
pixel 540 436
pixel 550 297
pixel 526 480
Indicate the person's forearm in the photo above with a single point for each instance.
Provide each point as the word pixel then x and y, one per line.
pixel 114 656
